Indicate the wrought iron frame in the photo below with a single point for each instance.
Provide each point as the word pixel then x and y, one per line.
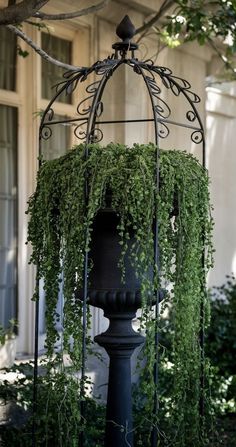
pixel 88 129
pixel 161 111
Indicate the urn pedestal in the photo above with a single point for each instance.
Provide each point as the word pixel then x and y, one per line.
pixel 120 341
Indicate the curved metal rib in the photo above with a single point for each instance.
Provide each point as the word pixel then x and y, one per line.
pixel 164 112
pixel 181 86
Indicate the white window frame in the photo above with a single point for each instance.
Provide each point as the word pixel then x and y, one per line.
pixel 27 99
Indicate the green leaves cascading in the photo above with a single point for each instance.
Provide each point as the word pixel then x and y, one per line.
pixel 60 233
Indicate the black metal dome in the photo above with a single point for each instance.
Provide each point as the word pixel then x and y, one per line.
pixel 88 123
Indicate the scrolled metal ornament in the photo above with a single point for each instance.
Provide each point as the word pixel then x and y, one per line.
pixel 191 116
pixel 160 106
pixel 105 67
pixel 181 82
pixel 84 107
pixel 79 132
pixel 162 71
pixel 46 132
pixel 49 115
pixel 97 135
pixel 193 97
pixel 99 109
pixel 153 85
pixel 197 136
pixel 163 130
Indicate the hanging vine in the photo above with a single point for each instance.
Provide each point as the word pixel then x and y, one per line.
pixel 59 221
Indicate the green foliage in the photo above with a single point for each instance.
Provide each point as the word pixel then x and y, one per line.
pixel 9 332
pixel 60 234
pixel 205 22
pixel 203 19
pixel 21 52
pixel 222 331
pixel 58 422
pixel 221 345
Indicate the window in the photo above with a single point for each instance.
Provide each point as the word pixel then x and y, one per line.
pixel 54 147
pixel 8 181
pixel 7 59
pixel 59 142
pixel 61 137
pixel 60 49
pixel 18 157
pixel 8 213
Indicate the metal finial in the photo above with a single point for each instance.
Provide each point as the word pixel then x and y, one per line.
pixel 125 30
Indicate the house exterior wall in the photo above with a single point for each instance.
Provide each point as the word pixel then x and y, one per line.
pixel 92 37
pixel 221 162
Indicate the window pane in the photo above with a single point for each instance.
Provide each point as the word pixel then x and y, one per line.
pixel 57 145
pixel 8 214
pixel 7 221
pixel 7 272
pixel 60 49
pixel 7 59
pixel 7 304
pixel 59 142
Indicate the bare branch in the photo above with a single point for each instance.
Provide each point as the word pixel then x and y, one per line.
pixel 11 2
pixel 224 59
pixel 39 50
pixel 17 13
pixel 144 28
pixel 72 15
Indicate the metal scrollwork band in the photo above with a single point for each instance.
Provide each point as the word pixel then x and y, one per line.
pixel 91 107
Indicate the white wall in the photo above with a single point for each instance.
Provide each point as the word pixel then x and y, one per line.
pixel 221 161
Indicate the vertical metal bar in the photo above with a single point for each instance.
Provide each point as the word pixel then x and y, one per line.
pixel 154 435
pixel 36 339
pixel 203 150
pixel 202 318
pixel 84 317
pixel 35 382
pixel 154 438
pixel 157 297
pixel 89 139
pixel 84 323
pixel 202 311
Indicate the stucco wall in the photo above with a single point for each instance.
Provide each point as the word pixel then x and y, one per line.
pixel 221 161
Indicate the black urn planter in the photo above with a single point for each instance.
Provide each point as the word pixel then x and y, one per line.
pixel 119 302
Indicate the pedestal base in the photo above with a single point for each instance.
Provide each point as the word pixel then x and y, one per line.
pixel 120 341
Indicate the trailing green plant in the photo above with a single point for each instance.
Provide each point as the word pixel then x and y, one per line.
pixel 58 422
pixel 60 231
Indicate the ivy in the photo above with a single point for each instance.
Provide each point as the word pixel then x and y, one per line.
pixel 60 233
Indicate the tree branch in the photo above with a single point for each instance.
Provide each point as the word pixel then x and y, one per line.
pixel 72 15
pixel 17 13
pixel 11 2
pixel 39 50
pixel 144 28
pixel 224 59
